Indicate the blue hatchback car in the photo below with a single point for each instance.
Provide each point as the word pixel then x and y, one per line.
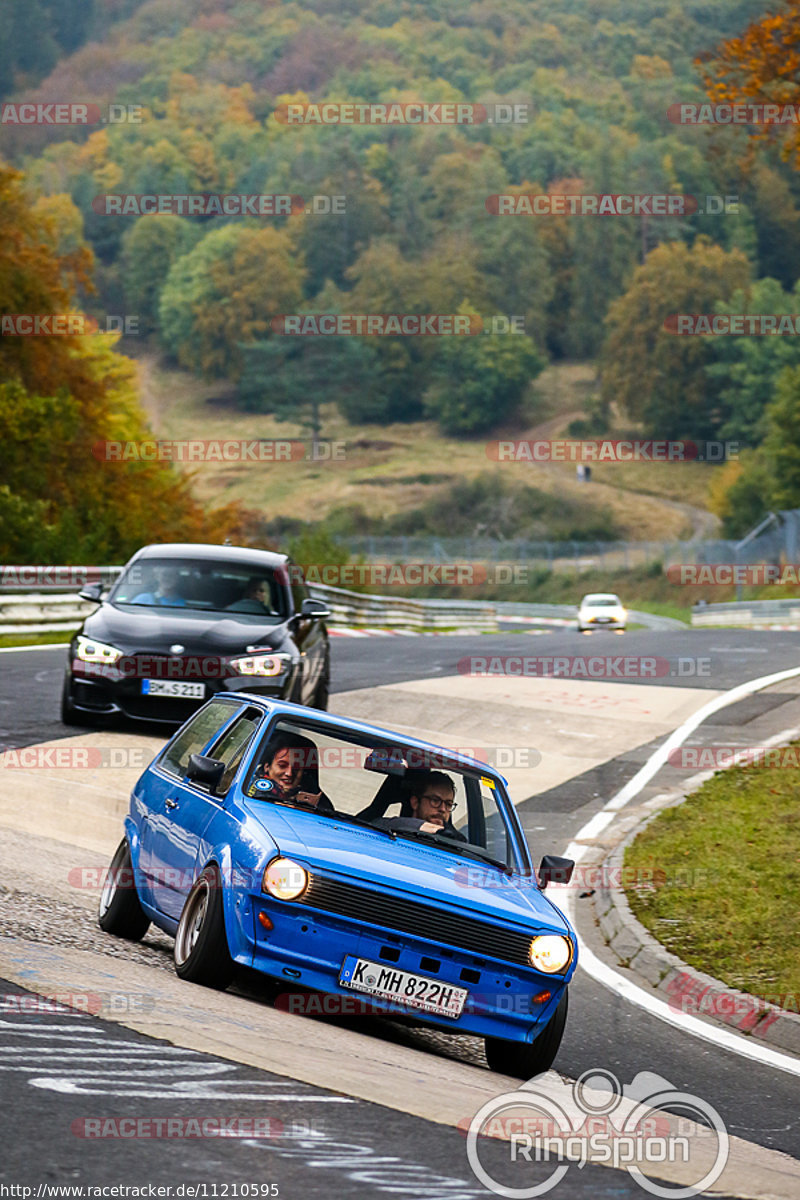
pixel 352 861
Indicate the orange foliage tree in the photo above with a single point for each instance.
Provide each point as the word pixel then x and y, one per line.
pixel 761 66
pixel 61 396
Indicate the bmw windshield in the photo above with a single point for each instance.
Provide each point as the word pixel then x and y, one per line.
pixel 203 585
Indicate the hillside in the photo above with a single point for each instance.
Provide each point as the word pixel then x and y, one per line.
pixel 397 217
pixel 408 470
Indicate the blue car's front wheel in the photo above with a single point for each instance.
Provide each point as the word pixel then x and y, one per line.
pixel 523 1060
pixel 201 947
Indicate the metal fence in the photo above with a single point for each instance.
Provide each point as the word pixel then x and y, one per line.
pixel 779 542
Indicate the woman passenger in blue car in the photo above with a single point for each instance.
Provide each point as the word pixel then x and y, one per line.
pixel 288 774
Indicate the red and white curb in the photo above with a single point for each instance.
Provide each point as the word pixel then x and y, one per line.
pixel 685 984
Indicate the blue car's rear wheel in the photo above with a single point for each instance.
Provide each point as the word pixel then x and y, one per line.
pixel 120 911
pixel 201 947
pixel 523 1060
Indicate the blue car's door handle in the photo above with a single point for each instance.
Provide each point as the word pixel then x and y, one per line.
pixel 170 804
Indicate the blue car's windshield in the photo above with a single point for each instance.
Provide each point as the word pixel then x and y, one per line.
pixel 253 594
pixel 402 790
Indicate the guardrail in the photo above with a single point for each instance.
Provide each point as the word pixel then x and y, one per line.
pixel 749 613
pixel 60 609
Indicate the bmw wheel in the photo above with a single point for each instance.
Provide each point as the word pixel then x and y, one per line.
pixel 120 912
pixel 201 946
pixel 523 1060
pixel 69 715
pixel 322 689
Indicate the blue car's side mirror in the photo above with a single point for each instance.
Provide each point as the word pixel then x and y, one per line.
pixel 205 770
pixel 553 869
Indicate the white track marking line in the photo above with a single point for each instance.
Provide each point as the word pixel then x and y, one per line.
pixel 610 978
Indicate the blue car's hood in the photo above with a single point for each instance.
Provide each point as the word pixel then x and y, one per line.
pixel 423 872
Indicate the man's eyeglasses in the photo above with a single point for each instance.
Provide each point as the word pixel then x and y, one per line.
pixel 440 802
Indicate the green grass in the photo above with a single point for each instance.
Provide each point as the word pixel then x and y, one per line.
pixel 680 612
pixel 725 867
pixel 35 639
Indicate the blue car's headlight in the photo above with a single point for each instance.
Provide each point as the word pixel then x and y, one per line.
pixel 264 665
pixel 90 651
pixel 285 879
pixel 550 953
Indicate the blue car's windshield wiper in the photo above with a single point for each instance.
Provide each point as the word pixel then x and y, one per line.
pixel 466 848
pixel 360 821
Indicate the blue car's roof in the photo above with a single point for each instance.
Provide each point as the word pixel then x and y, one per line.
pixel 332 721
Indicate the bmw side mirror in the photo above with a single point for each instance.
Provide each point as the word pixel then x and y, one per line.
pixel 553 869
pixel 205 770
pixel 91 591
pixel 314 610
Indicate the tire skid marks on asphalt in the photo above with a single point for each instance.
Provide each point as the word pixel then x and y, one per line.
pixel 98 1062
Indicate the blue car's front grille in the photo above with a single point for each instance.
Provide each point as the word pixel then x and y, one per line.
pixel 406 916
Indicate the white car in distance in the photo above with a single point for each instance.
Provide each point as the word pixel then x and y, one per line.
pixel 601 610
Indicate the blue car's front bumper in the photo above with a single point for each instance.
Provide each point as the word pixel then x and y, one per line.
pixel 306 947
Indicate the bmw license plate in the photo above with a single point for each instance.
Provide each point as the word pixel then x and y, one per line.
pixel 173 687
pixel 412 991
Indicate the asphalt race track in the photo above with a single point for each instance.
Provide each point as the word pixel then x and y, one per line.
pixel 336 1129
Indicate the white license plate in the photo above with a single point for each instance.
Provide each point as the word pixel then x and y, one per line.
pixel 412 991
pixel 173 687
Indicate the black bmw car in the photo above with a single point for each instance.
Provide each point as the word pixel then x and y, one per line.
pixel 185 621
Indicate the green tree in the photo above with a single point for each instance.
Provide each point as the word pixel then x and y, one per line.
pixel 149 248
pixel 745 370
pixel 782 443
pixel 224 292
pixel 658 377
pixel 292 378
pixel 478 381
